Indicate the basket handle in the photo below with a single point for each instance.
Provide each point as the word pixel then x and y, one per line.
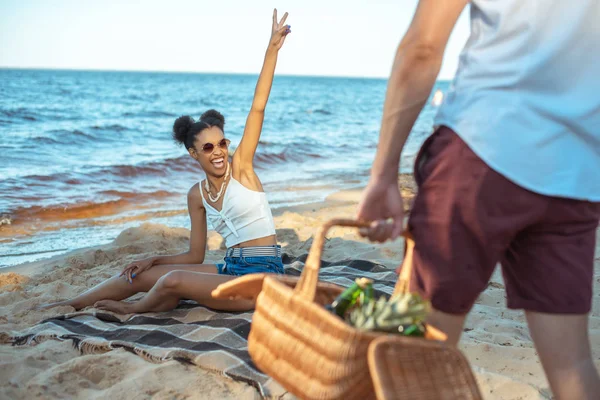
pixel 307 285
pixel 402 285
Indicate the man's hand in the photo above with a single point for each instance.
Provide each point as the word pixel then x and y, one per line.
pixel 382 205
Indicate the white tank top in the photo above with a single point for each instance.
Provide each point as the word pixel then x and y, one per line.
pixel 526 96
pixel 245 214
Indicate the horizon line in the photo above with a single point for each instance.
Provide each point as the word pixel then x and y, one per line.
pixel 193 72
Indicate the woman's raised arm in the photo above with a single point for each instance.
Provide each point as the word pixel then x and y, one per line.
pixel 244 154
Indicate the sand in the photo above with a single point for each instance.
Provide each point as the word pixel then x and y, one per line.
pixel 496 340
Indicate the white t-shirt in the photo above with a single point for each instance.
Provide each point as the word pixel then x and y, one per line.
pixel 526 96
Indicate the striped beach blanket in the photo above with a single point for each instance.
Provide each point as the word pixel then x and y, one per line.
pixel 209 339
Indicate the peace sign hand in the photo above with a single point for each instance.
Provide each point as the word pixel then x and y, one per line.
pixel 279 31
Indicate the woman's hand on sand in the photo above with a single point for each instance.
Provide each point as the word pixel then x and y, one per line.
pixel 137 267
pixel 279 31
pixel 382 205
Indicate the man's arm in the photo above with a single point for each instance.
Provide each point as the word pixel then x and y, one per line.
pixel 416 66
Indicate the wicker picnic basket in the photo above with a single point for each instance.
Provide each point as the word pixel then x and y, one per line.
pixel 308 350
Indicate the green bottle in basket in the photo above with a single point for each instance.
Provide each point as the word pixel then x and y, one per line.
pixel 348 298
pixel 417 329
pixel 368 293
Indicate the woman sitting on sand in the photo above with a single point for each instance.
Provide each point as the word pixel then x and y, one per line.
pixel 231 198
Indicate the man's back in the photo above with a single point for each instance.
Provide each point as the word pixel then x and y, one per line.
pixel 528 83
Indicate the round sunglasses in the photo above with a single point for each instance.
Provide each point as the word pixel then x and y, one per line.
pixel 208 148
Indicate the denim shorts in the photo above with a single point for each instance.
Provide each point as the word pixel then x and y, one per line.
pixel 252 260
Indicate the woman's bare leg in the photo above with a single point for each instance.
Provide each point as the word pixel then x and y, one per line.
pixel 119 288
pixel 178 285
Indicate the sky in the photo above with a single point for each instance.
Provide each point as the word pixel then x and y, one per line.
pixel 329 37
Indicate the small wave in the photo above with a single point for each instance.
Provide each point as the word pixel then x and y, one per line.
pixel 42 114
pixel 84 209
pixel 45 140
pixel 112 128
pixel 157 168
pixel 32 179
pixel 61 133
pixel 300 154
pixel 60 212
pixel 73 137
pixel 21 113
pixel 82 134
pixel 27 253
pixel 320 111
pixel 262 159
pixel 31 228
pixel 142 217
pixel 149 114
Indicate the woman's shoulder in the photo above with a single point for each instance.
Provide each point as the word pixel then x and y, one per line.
pixel 194 196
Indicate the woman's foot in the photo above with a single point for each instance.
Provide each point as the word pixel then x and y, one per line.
pixel 119 307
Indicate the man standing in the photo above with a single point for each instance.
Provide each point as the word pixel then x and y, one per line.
pixel 511 173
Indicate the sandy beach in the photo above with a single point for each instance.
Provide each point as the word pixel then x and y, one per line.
pixel 495 341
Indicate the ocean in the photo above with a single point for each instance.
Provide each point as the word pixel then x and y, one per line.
pixel 87 154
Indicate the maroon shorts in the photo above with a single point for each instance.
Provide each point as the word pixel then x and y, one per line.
pixel 466 218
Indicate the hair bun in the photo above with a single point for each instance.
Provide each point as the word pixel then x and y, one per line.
pixel 181 127
pixel 213 118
